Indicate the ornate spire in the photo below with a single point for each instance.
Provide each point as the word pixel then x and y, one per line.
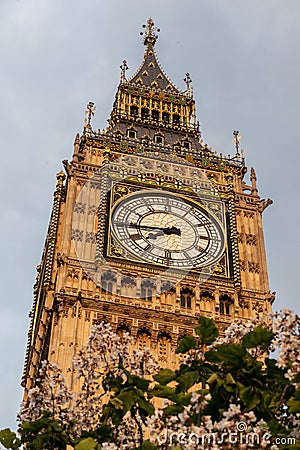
pixel 236 140
pixel 150 35
pixel 123 68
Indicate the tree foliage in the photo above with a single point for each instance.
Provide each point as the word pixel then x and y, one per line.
pixel 229 392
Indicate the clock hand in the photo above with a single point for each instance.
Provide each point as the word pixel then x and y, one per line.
pixel 165 230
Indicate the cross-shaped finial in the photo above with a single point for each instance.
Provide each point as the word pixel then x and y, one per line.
pixel 123 68
pixel 236 140
pixel 90 108
pixel 187 80
pixel 150 32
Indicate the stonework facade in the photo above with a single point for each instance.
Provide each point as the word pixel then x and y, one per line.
pixel 91 269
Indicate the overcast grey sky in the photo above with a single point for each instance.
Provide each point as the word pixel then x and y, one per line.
pixel 56 55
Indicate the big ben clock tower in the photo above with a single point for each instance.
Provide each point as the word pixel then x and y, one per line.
pixel 150 228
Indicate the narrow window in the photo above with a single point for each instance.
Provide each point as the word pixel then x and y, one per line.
pixel 155 114
pixel 165 117
pixel 145 113
pixel 134 111
pixel 176 119
pixel 131 134
pixel 158 139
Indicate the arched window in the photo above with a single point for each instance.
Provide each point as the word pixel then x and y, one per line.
pixel 176 119
pixel 186 296
pixel 155 115
pixel 131 133
pixel 165 117
pixel 168 293
pixel 145 113
pixel 143 339
pixel 158 139
pixel 186 145
pixel 123 328
pixel 128 287
pixel 108 281
pixel 164 348
pixel 206 300
pixel 147 290
pixel 226 303
pixel 134 111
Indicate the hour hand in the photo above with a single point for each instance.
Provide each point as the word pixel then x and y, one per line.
pixel 164 230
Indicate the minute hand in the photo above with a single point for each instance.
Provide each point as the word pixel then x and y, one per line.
pixel 165 230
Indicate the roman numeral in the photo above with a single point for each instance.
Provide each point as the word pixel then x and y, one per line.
pixel 148 206
pixel 206 238
pixel 135 237
pixel 167 254
pixel 146 249
pixel 203 223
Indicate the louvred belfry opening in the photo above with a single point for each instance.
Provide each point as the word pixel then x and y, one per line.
pixel 150 100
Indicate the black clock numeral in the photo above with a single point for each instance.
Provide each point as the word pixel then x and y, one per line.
pixel 168 257
pixel 203 223
pixel 135 237
pixel 147 248
pixel 167 254
pixel 206 238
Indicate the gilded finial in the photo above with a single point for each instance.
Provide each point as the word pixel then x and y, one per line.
pixel 150 33
pixel 188 82
pixel 90 108
pixel 236 140
pixel 123 68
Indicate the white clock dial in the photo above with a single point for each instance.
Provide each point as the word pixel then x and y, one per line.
pixel 162 228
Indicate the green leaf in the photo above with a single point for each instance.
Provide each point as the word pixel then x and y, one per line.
pixel 9 439
pixel 117 403
pixel 164 376
pixel 146 406
pixel 188 379
pixel 259 337
pixel 185 344
pixel 294 403
pixel 207 330
pixel 147 445
pixel 86 444
pixel 231 354
pixel 128 399
pixel 173 409
pixel 162 391
pixel 182 399
pixel 249 397
pixel 277 429
pixel 141 383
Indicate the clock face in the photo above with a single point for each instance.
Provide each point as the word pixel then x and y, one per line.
pixel 162 228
